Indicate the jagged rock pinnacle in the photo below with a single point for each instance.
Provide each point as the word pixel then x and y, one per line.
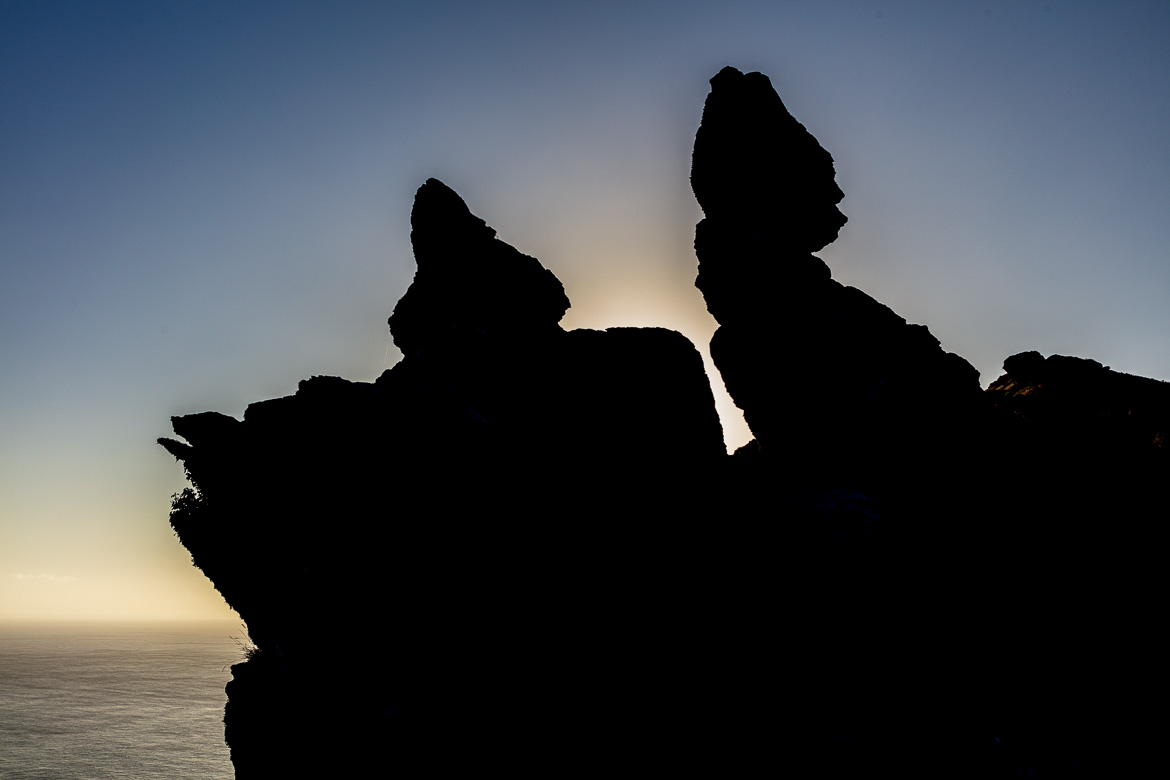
pixel 767 189
pixel 753 161
pixel 470 286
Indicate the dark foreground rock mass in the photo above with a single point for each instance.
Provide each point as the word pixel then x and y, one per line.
pixel 466 562
pixel 524 550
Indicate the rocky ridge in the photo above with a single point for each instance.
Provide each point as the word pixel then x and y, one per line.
pixel 902 575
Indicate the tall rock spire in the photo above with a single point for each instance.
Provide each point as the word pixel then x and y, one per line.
pixel 823 372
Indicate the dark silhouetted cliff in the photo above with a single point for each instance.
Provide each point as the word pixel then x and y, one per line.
pixel 524 550
pixel 475 524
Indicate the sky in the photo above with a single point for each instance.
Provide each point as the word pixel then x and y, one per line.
pixel 203 203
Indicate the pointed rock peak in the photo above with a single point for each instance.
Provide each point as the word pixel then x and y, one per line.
pixel 437 205
pixel 754 162
pixel 443 226
pixel 470 287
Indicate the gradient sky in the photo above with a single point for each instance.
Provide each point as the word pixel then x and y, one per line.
pixel 203 203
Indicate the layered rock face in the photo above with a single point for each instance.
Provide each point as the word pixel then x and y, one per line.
pixel 524 550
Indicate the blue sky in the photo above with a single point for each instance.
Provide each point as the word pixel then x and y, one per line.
pixel 202 203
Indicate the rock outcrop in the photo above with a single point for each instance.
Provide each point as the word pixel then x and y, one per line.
pixel 1075 407
pixel 524 550
pixel 469 518
pixel 827 377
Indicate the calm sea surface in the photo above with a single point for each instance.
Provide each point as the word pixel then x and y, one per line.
pixel 115 700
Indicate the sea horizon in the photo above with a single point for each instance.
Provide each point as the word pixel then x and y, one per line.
pixel 115 698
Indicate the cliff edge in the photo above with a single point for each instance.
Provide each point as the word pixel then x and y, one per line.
pixel 525 550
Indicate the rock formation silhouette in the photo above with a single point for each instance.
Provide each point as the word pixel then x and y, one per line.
pixel 1077 408
pixel 480 503
pixel 465 566
pixel 820 369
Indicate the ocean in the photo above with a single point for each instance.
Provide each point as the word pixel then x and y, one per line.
pixel 98 701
